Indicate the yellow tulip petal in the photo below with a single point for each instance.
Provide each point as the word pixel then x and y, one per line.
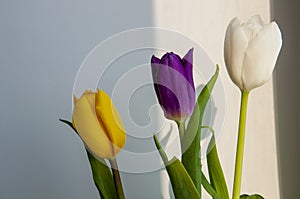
pixel 111 120
pixel 89 128
pixel 90 97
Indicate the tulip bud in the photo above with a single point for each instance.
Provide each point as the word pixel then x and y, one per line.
pixel 250 51
pixel 174 84
pixel 99 124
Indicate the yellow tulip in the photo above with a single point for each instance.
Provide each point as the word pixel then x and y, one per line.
pixel 99 124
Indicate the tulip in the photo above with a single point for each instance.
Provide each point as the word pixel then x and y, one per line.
pixel 99 124
pixel 251 50
pixel 174 84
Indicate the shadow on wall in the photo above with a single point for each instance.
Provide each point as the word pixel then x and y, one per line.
pixel 287 97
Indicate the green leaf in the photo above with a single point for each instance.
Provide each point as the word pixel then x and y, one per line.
pixel 102 178
pixel 182 185
pixel 69 124
pixel 101 173
pixel 190 145
pixel 208 187
pixel 255 196
pixel 215 171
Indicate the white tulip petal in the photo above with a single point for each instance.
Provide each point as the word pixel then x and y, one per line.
pixel 235 44
pixel 261 56
pixel 256 19
pixel 227 43
pixel 253 26
pixel 251 50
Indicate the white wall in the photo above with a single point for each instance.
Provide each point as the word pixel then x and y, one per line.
pixel 206 22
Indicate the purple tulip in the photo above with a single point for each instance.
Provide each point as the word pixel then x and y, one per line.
pixel 174 84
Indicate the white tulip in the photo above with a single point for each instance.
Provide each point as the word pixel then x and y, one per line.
pixel 251 50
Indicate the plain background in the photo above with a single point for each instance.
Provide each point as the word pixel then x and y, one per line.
pixel 42 44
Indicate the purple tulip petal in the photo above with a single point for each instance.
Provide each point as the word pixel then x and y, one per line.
pixel 174 61
pixel 189 56
pixel 154 65
pixel 173 84
pixel 174 92
pixel 188 66
pixel 169 102
pixel 155 62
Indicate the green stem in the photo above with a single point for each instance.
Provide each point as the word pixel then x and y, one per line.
pixel 240 146
pixel 181 129
pixel 117 178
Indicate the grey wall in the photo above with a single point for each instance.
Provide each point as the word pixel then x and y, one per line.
pixel 286 13
pixel 42 44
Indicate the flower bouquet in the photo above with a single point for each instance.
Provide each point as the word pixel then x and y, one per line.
pixel 250 52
